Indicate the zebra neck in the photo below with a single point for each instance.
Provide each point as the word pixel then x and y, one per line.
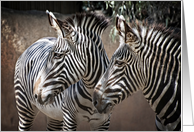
pixel 96 70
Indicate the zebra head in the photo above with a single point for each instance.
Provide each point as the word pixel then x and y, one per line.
pixel 130 67
pixel 111 89
pixel 73 54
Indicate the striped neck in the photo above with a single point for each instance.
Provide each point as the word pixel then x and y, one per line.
pixel 96 67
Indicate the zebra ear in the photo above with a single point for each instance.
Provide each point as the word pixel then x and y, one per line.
pixel 55 23
pixel 120 25
pixel 130 36
pixel 125 30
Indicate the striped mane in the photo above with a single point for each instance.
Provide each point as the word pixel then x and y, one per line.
pixel 87 21
pixel 172 32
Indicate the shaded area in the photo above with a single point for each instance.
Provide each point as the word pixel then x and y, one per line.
pixel 64 7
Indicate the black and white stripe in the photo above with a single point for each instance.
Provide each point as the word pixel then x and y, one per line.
pixel 27 68
pixel 148 59
pixel 48 73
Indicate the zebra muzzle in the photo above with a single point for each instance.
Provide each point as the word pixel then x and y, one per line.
pixel 107 108
pixel 102 105
pixel 104 108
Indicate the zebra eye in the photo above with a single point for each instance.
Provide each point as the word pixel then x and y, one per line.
pixel 119 63
pixel 57 55
pixel 66 52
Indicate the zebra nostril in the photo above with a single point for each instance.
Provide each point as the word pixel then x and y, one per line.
pixel 95 103
pixel 36 96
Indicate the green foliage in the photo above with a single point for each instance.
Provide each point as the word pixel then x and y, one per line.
pixel 166 12
pixel 88 6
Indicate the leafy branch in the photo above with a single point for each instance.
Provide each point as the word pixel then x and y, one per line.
pixel 167 12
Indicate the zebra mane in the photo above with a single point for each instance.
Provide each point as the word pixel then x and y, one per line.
pixel 92 19
pixel 173 32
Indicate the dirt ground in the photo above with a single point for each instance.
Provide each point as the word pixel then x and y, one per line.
pixel 19 29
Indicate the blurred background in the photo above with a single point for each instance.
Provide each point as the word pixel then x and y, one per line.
pixel 23 23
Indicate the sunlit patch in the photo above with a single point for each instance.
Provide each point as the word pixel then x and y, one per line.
pixel 35 91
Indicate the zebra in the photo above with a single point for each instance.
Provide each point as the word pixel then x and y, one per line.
pixel 54 66
pixel 148 59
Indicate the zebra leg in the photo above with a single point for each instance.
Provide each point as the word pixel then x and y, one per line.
pixel 69 118
pixel 54 125
pixel 26 111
